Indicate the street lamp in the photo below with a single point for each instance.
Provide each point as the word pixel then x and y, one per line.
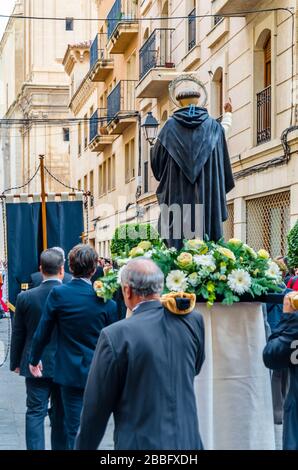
pixel 150 127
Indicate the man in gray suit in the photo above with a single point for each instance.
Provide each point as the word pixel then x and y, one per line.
pixel 143 372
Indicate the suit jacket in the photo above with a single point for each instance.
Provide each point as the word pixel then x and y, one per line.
pixel 282 353
pixel 37 278
pixel 143 372
pixel 29 309
pixel 80 316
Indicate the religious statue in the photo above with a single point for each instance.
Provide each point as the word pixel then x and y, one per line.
pixel 190 160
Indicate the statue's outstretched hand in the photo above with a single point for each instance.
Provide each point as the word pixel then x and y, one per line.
pixel 228 106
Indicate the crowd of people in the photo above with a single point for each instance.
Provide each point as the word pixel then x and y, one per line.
pixel 82 361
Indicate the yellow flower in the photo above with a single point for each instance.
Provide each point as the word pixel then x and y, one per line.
pixel 263 254
pixel 256 272
pixel 210 287
pixel 249 250
pixel 136 252
pixel 145 245
pixel 185 260
pixel 235 241
pixel 227 253
pixel 98 285
pixel 195 244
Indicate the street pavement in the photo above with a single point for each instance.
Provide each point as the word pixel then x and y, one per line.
pixel 13 406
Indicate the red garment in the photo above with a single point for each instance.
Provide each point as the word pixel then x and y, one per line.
pixel 2 303
pixel 293 285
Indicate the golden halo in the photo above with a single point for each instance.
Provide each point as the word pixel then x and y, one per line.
pixel 190 85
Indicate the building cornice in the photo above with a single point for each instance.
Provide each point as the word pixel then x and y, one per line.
pixel 82 94
pixel 75 53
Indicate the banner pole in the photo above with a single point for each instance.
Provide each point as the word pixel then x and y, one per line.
pixel 43 204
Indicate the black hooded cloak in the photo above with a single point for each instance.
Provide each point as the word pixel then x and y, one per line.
pixel 191 162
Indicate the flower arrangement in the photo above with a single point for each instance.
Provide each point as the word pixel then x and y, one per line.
pixel 213 271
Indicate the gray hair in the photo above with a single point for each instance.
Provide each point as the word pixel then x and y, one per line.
pixel 143 276
pixel 51 262
pixel 58 248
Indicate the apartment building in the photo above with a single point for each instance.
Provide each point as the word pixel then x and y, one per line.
pixel 248 57
pixel 34 87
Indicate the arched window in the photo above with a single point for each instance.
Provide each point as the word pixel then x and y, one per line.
pixel 267 62
pixel 217 94
pixel 262 81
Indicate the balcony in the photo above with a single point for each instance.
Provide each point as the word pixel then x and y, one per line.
pixel 122 25
pixel 221 7
pixel 156 64
pixel 98 137
pixel 121 106
pixel 101 63
pixel 264 116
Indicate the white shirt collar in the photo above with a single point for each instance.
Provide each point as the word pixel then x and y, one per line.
pixel 52 279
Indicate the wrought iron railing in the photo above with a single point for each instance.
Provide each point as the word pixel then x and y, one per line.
pixel 124 11
pixel 98 50
pixel 192 29
pixel 157 51
pixel 264 116
pixel 122 99
pixel 98 120
pixel 217 20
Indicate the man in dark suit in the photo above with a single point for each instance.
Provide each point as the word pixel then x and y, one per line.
pixel 37 278
pixel 80 316
pixel 280 353
pixel 143 372
pixel 29 308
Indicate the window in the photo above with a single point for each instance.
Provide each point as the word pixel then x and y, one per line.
pixel 268 222
pixel 69 24
pixel 100 181
pixel 91 187
pixel 104 177
pixel 66 134
pixel 192 29
pixel 267 63
pixel 85 131
pixel 262 79
pixel 217 94
pixel 86 183
pixel 79 139
pixel 129 160
pixel 79 185
pixel 111 173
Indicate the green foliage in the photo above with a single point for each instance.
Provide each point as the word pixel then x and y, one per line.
pixel 293 247
pixel 129 236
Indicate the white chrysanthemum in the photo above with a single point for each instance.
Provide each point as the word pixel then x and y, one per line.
pixel 274 270
pixel 206 261
pixel 239 281
pixel 194 279
pixel 176 281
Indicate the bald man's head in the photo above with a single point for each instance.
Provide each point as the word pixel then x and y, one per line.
pixel 143 277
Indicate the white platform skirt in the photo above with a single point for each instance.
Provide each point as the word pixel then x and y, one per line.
pixel 233 391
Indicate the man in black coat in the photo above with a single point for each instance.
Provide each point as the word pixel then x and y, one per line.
pixel 143 372
pixel 282 352
pixel 29 308
pixel 80 316
pixel 37 278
